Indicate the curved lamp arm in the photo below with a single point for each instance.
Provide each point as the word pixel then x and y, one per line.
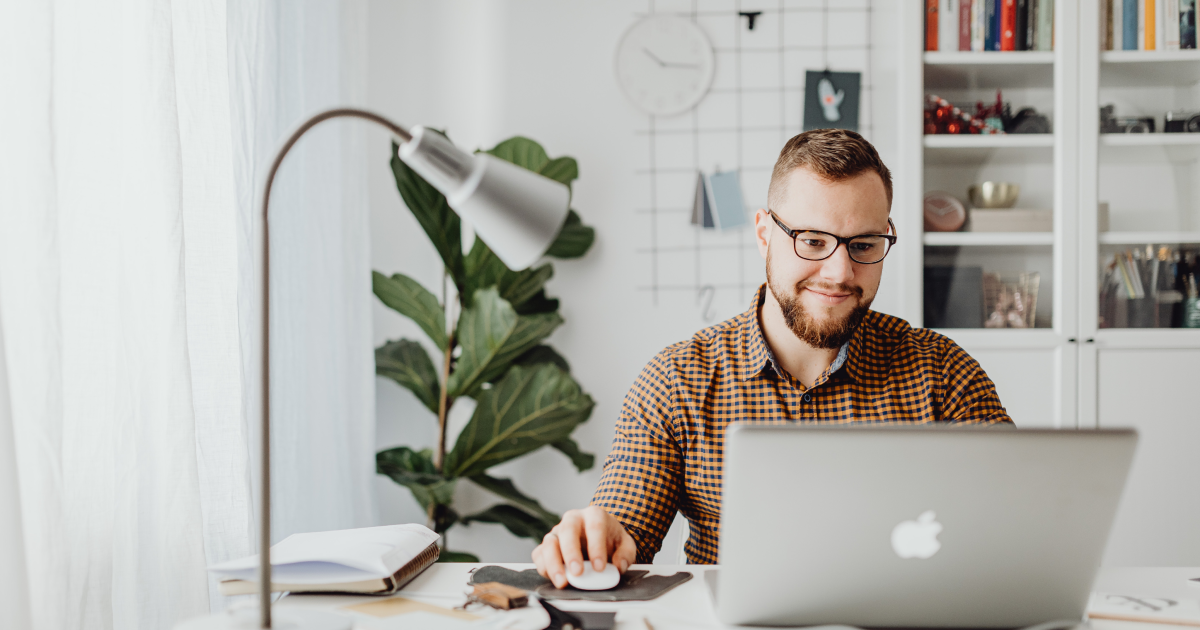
pixel 518 213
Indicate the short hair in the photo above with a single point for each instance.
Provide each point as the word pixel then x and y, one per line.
pixel 832 155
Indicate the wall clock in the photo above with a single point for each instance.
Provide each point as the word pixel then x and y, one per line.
pixel 665 64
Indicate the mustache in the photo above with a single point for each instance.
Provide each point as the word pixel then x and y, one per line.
pixel 826 287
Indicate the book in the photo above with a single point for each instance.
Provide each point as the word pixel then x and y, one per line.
pixel 1021 38
pixel 1008 24
pixel 1187 24
pixel 979 25
pixel 948 25
pixel 1171 25
pixel 1129 19
pixel 964 24
pixel 369 560
pixel 1106 24
pixel 931 25
pixel 1045 27
pixel 1118 24
pixel 1160 12
pixel 993 25
pixel 1145 32
pixel 1010 220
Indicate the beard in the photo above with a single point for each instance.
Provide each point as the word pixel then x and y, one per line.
pixel 830 334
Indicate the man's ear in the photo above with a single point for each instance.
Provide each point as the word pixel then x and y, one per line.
pixel 762 231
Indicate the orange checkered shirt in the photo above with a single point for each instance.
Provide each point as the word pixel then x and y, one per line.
pixel 668 449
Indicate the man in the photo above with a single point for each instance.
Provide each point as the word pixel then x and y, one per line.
pixel 808 350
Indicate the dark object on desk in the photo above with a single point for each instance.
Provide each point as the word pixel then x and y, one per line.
pixel 636 585
pixel 953 297
pixel 579 620
pixel 499 596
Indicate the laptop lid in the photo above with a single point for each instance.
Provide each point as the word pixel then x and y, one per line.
pixel 947 526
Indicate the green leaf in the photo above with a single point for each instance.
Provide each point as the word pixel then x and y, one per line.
pixel 523 152
pixel 521 523
pixel 407 363
pixel 582 461
pixel 506 489
pixel 574 240
pixel 563 169
pixel 429 206
pixel 444 517
pixel 415 471
pixel 492 336
pixel 409 298
pixel 525 410
pixel 518 287
pixel 484 269
pixel 457 556
pixel 543 354
pixel 537 304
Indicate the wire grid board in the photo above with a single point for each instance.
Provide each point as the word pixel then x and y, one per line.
pixel 754 105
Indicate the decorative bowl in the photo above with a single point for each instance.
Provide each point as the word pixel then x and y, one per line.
pixel 994 194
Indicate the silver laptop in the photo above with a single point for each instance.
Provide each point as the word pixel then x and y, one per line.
pixel 926 527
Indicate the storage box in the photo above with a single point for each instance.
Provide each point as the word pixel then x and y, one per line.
pixel 1010 220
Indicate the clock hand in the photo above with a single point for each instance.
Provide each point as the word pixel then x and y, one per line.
pixel 668 64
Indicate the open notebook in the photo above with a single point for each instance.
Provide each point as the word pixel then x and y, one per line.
pixel 377 560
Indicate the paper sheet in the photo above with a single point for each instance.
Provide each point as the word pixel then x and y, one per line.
pixel 1144 608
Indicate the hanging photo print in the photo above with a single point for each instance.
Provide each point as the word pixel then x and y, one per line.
pixel 831 100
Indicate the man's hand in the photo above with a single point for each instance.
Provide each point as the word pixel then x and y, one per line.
pixel 592 530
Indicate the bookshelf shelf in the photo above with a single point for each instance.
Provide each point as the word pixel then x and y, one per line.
pixel 1149 67
pixel 1149 139
pixel 1143 238
pixel 988 70
pixel 943 150
pixel 998 141
pixel 989 238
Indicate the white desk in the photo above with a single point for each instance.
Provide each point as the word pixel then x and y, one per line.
pixel 688 605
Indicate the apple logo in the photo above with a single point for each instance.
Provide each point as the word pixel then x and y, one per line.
pixel 917 539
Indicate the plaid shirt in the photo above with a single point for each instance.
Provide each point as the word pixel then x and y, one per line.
pixel 669 442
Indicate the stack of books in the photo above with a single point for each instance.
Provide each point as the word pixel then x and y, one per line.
pixel 981 25
pixel 1148 24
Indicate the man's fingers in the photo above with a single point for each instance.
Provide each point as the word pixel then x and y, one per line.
pixel 595 523
pixel 552 560
pixel 626 552
pixel 569 532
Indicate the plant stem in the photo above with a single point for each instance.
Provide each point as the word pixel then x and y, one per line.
pixel 439 453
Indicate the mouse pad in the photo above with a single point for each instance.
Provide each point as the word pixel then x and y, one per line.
pixel 635 585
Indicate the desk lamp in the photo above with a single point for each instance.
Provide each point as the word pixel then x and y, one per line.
pixel 517 212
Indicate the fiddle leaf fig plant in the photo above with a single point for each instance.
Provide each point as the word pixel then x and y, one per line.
pixel 493 352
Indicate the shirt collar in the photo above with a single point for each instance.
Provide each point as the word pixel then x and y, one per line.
pixel 757 355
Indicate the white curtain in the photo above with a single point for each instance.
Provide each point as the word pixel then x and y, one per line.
pixel 132 137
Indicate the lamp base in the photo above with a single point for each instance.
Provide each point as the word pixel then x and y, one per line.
pixel 282 618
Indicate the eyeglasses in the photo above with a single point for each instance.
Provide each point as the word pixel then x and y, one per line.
pixel 867 249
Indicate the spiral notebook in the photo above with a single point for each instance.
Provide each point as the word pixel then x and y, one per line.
pixel 369 560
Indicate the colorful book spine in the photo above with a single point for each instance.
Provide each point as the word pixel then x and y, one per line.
pixel 1160 23
pixel 1118 25
pixel 1171 25
pixel 1130 20
pixel 964 24
pixel 948 25
pixel 979 25
pixel 1187 24
pixel 1045 27
pixel 1008 25
pixel 1106 25
pixel 1143 14
pixel 1022 37
pixel 931 25
pixel 994 15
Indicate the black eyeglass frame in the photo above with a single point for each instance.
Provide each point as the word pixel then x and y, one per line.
pixel 841 240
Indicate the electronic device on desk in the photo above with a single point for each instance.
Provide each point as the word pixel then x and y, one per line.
pixel 1182 122
pixel 934 527
pixel 1111 123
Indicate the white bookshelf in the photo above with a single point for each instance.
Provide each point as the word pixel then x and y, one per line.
pixel 1153 238
pixel 989 239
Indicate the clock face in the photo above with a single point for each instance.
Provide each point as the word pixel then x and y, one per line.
pixel 665 64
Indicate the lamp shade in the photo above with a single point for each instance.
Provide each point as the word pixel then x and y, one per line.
pixel 517 212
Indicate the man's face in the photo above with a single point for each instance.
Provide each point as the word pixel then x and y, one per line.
pixel 823 301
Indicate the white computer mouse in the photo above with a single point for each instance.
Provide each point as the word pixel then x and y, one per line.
pixel 593 580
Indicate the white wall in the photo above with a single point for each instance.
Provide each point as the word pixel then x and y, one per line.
pixel 489 70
